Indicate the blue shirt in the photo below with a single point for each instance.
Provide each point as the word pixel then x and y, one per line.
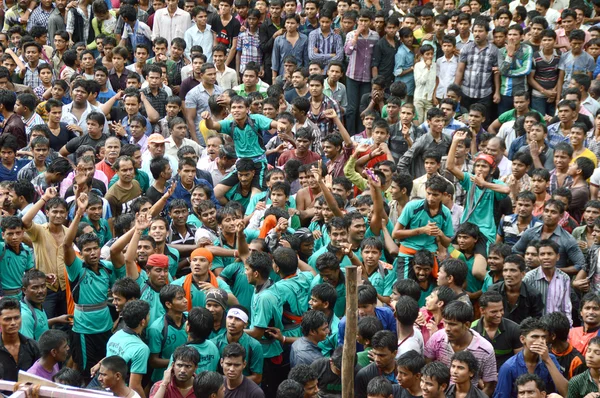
pixel 515 367
pixel 182 193
pixel 384 314
pixel 11 175
pixel 282 48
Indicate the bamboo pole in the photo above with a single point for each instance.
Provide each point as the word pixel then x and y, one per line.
pixel 349 352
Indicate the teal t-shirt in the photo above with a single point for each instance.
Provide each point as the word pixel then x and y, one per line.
pixel 254 353
pixel 216 333
pixel 261 195
pixel 13 266
pixel 92 289
pixel 324 239
pixel 473 284
pixel 173 255
pixel 218 261
pixel 340 304
pixel 209 355
pixel 293 293
pixel 312 260
pixel 383 279
pixel 198 295
pixel 427 292
pixel 483 215
pixel 234 276
pixel 103 233
pixel 246 140
pixel 267 312
pixel 140 176
pixel 129 346
pixel 235 193
pixel 34 322
pixel 193 220
pixel 163 343
pixel 329 345
pixel 150 296
pixel 416 215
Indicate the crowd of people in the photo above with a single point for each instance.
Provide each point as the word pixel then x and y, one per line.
pixel 195 243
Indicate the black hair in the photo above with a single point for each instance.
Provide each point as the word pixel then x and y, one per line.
pixel 312 321
pixel 186 353
pixel 468 358
pixel 437 371
pixel 168 293
pixel 458 311
pixel 134 312
pixel 407 310
pixel 127 288
pixel 457 269
pixel 261 263
pixel 200 323
pixel 327 261
pixel 50 340
pixel 207 383
pixel 528 377
pixel 290 389
pixel 367 295
pixel 234 350
pixel 367 326
pixel 302 374
pixel 379 387
pixel 408 287
pixel 557 324
pixel 286 259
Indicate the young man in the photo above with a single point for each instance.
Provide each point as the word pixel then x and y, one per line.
pixel 463 368
pixel 513 226
pixel 589 310
pixel 458 336
pixel 513 76
pixel 251 82
pixel 127 346
pixel 54 350
pixel 199 34
pixel 226 77
pixel 535 355
pixel 585 383
pixel 384 347
pixel 315 329
pixel 13 124
pixel 545 77
pixel 580 171
pixel 126 188
pixel 179 378
pixel 15 344
pixel 233 363
pixel 502 333
pixel 435 379
pixel 16 257
pixel 576 60
pixel 112 377
pixel 227 30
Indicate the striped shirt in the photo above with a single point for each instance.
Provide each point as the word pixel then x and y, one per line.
pixel 514 70
pixel 438 348
pixel 556 292
pixel 581 385
pixel 248 45
pixel 509 227
pixel 325 124
pixel 327 45
pixel 546 71
pixel 360 55
pixel 478 76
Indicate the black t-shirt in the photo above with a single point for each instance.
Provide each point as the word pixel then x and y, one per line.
pixel 225 33
pixel 330 384
pixel 292 94
pixel 85 139
pixel 248 389
pixel 399 392
pixel 64 136
pixel 153 194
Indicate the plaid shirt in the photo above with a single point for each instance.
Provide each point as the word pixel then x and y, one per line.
pixel 553 186
pixel 555 134
pixel 325 125
pixel 39 17
pixel 32 76
pixel 158 101
pixel 248 45
pixel 478 77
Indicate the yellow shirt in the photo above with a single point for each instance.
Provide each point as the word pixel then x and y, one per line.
pixel 49 256
pixel 588 154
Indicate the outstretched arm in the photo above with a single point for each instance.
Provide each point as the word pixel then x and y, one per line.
pixel 451 163
pixel 39 205
pixel 82 202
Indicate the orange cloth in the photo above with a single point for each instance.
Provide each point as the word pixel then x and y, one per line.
pixel 187 286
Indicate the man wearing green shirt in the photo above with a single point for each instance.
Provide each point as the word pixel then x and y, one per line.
pixel 15 257
pixel 198 328
pixel 94 218
pixel 168 332
pixel 90 280
pixel 128 344
pixel 227 219
pixel 233 274
pixel 237 321
pixel 323 297
pixel 328 266
pixel 337 229
pixel 135 153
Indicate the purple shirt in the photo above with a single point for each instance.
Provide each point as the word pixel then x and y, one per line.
pixel 360 55
pixel 38 370
pixel 438 348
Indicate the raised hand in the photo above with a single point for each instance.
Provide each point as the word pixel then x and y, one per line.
pixel 50 193
pixel 82 202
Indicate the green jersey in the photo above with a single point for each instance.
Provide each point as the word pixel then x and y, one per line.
pixel 312 260
pixel 173 255
pixel 329 345
pixel 234 276
pixel 34 321
pixel 102 232
pixel 473 284
pixel 163 337
pixel 90 293
pixel 209 355
pixel 128 345
pixel 235 193
pixel 247 139
pixel 383 279
pixel 254 353
pixel 416 215
pixel 150 296
pixel 12 268
pixel 218 261
pixel 198 295
pixel 293 293
pixel 267 312
pixel 340 303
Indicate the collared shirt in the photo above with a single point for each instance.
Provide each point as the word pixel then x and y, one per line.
pixel 147 158
pixel 555 134
pixel 158 101
pixel 480 63
pixel 49 256
pixel 143 143
pixel 413 162
pixel 261 88
pixel 384 56
pixel 86 21
pixel 171 148
pixel 29 352
pixel 197 98
pixel 12 18
pixel 424 81
pixel 70 118
pixel 307 28
pixel 460 43
pixel 360 55
pixel 505 341
pixel 556 292
pixel 327 45
pixel 438 348
pixel 118 82
pixel 339 94
pixel 56 22
pixel 572 64
pixel 515 367
pixel 509 228
pixel 304 352
pixel 448 130
pixel 168 26
pixel 581 385
pixel 32 75
pixel 325 124
pixel 195 37
pixel 336 167
pixel 139 34
pixel 171 392
pixel 248 45
pixel 227 79
pixel 554 185
pixel 446 71
pixel 39 17
pixel 562 40
pixel 403 60
pixel 282 48
pixel 34 120
pixel 514 70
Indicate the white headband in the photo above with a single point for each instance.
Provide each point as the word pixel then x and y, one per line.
pixel 236 312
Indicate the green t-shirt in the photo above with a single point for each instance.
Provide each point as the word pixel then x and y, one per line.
pixel 198 295
pixel 425 293
pixel 254 353
pixel 90 288
pixel 234 276
pixel 487 282
pixel 129 346
pixel 246 140
pixel 193 220
pixel 173 255
pixel 363 357
pixel 164 341
pixel 216 333
pixel 383 279
pixel 235 193
pixel 34 322
pixel 329 345
pixel 294 294
pixel 340 304
pixel 267 312
pixel 150 296
pixel 103 233
pixel 140 176
pixel 312 260
pixel 473 284
pixel 416 215
pixel 324 239
pixel 218 261
pixel 483 215
pixel 209 355
pixel 511 115
pixel 259 196
pixel 13 266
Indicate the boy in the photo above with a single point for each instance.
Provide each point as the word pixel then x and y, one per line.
pixel 101 76
pixel 142 53
pixel 559 177
pixel 463 248
pixel 303 142
pixel 95 219
pixel 445 67
pixel 423 263
pixel 366 329
pixel 545 76
pixel 16 257
pixel 248 44
pixel 435 379
pixel 25 107
pixel 574 61
pixel 497 253
pixel 385 51
pixel 580 170
pixel 409 338
pixel 29 71
pixel 227 30
pixel 39 149
pixel 584 233
pixel 118 74
pixel 462 369
pixel 577 138
pixel 587 382
pixel 173 108
pixel 410 365
pixel 379 274
pixel 112 376
pixel 54 349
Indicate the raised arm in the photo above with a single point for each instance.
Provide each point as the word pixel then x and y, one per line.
pixel 39 205
pixel 332 114
pixel 378 212
pixel 69 252
pixel 116 250
pixel 331 202
pixel 451 162
pixel 142 222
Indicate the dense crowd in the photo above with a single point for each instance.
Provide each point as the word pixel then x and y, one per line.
pixel 183 184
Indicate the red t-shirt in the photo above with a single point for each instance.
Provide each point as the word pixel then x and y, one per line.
pixel 311 157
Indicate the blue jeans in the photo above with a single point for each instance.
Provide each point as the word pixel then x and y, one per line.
pixel 542 105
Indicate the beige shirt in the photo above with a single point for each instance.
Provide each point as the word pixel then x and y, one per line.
pixel 49 256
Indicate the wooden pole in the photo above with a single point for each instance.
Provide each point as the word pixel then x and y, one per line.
pixel 349 352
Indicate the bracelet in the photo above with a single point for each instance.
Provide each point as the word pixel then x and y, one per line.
pixel 283 339
pixel 45 201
